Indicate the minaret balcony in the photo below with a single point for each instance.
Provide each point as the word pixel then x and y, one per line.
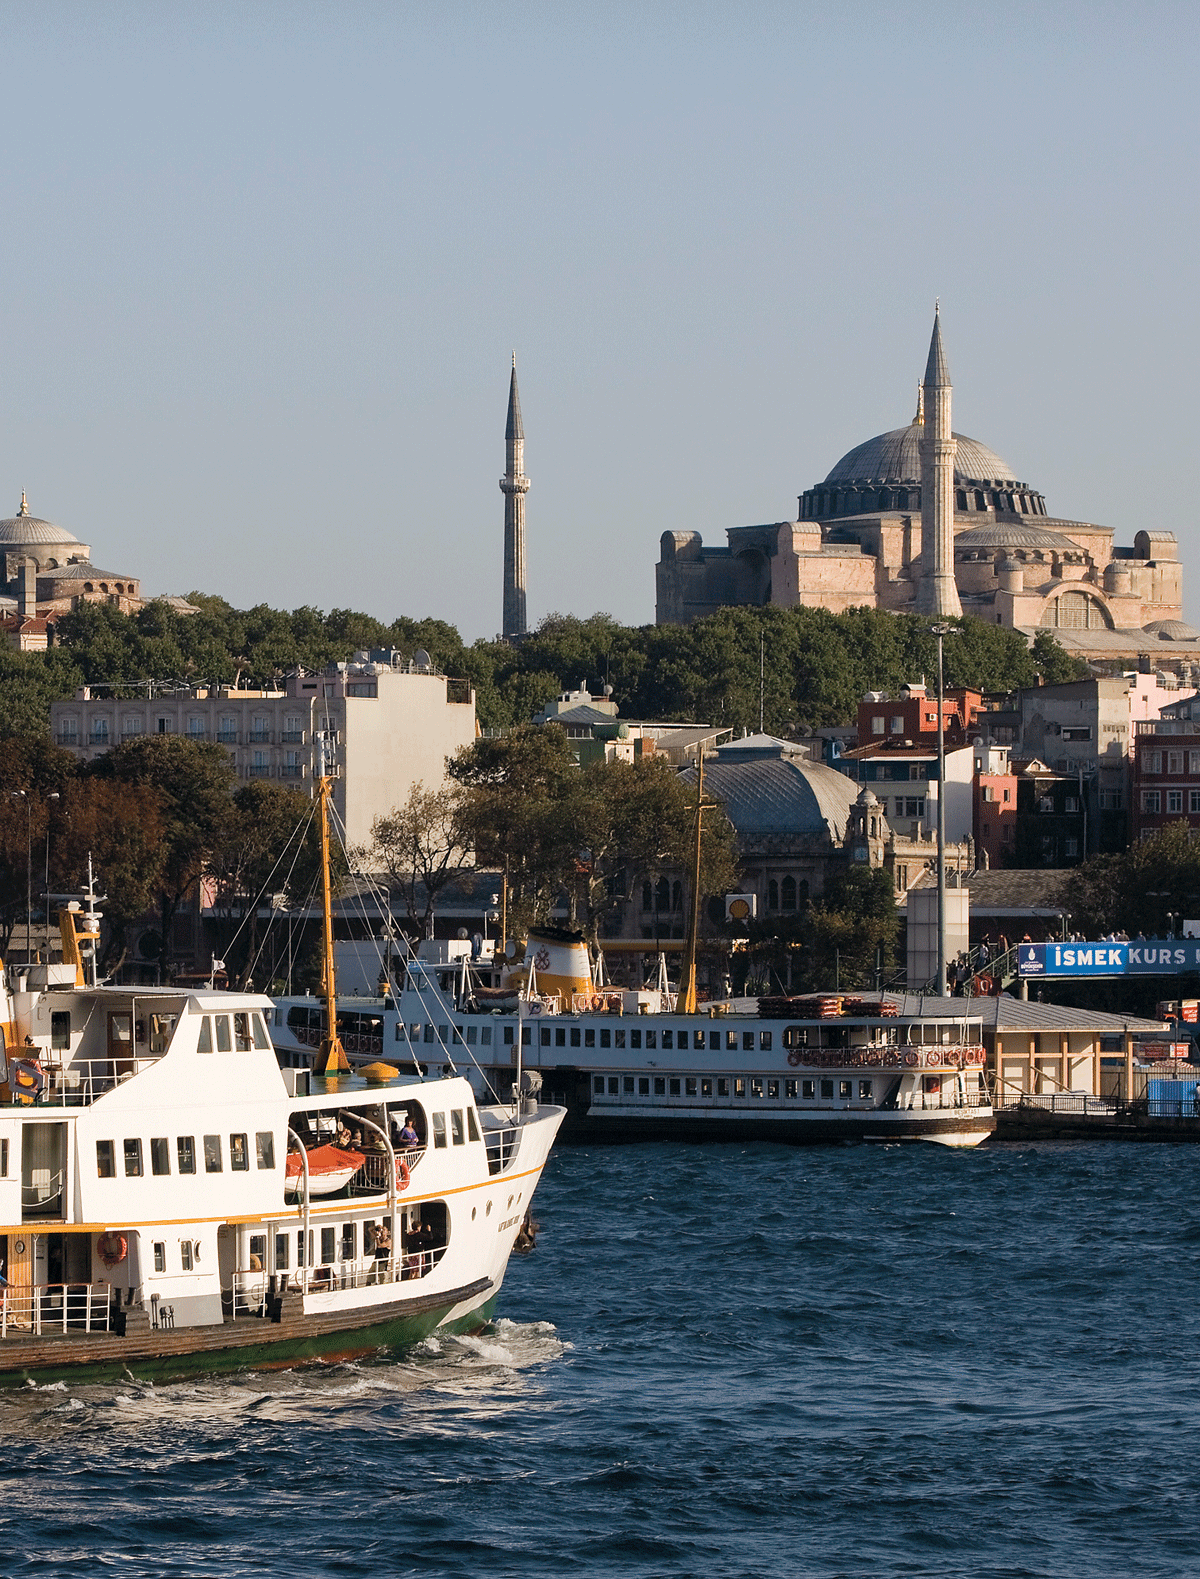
pixel 514 485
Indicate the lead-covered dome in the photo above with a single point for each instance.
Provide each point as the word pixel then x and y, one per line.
pixel 895 457
pixel 26 528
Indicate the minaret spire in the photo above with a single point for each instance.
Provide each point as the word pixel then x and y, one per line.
pixel 514 485
pixel 937 592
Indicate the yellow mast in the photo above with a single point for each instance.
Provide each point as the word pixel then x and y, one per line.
pixel 330 1059
pixel 687 981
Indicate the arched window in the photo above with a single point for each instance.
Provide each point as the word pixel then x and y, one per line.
pixel 803 891
pixel 773 894
pixel 647 896
pixel 662 895
pixel 833 502
pixel 960 499
pixel 885 498
pixel 677 897
pixel 789 894
pixel 902 499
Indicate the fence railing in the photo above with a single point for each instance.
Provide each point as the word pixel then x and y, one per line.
pixel 255 1291
pixel 55 1307
pixel 1069 1102
pixel 502 1146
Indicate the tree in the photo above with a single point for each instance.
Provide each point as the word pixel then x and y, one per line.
pixel 120 828
pixel 420 846
pixel 1136 890
pixel 195 781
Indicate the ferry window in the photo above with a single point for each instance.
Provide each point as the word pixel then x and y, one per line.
pixel 674 1087
pixel 133 1159
pixel 106 1167
pixel 472 1126
pixel 747 1041
pixel 605 1037
pixel 4 1158
pixel 629 1085
pixel 224 1040
pixel 544 1036
pixel 258 1252
pixel 282 1249
pixel 508 1036
pixel 791 1087
pixel 613 1085
pixel 706 1088
pixel 764 1041
pixel 714 1041
pixel 560 1036
pixel 526 1036
pixel 643 1086
pixel 160 1255
pixel 635 1039
pixel 598 1085
pixel 60 1028
pixel 162 1029
pixel 826 1090
pixel 239 1157
pixel 349 1241
pixel 795 1036
pixel 261 1039
pixel 651 1038
pixel 328 1244
pixel 574 1036
pixel 439 1131
pixel 669 1039
pixel 429 1033
pixel 756 1088
pixel 458 1133
pixel 444 1034
pixel 212 1154
pixel 690 1085
pixel 185 1254
pixel 731 1041
pixel 773 1089
pixel 589 1038
pixel 300 1261
pixel 204 1040
pixel 264 1144
pixel 722 1086
pixel 185 1148
pixel 486 1036
pixel 865 1089
pixel 160 1154
pixel 660 1086
pixel 845 1089
pixel 458 1036
pixel 472 1035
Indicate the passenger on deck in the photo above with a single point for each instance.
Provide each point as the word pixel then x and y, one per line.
pixel 408 1135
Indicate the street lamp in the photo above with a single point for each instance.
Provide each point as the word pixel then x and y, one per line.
pixel 28 799
pixel 941 632
pixel 54 795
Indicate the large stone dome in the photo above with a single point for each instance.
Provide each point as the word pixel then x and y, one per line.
pixel 25 528
pixel 895 457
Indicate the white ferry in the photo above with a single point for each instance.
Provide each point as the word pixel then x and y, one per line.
pixel 629 1065
pixel 171 1199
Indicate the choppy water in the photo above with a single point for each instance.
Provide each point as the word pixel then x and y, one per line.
pixel 719 1361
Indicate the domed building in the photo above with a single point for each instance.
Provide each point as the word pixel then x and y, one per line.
pixel 48 571
pixel 925 520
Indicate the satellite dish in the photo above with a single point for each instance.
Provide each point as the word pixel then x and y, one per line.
pixel 422 660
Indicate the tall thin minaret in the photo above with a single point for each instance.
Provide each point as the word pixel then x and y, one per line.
pixel 937 593
pixel 514 485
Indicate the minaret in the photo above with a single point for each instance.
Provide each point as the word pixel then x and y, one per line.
pixel 514 485
pixel 937 593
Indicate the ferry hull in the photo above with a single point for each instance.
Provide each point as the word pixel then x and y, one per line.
pixel 957 1129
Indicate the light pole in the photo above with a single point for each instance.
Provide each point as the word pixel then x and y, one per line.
pixel 54 795
pixel 941 631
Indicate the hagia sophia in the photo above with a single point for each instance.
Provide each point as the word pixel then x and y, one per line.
pixel 924 520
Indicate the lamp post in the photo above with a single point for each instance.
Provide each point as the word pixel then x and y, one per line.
pixel 941 631
pixel 28 799
pixel 54 795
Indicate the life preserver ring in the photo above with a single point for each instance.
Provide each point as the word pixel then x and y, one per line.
pixel 795 1058
pixel 912 1059
pixel 597 1001
pixel 402 1174
pixel 533 1008
pixel 25 1077
pixel 112 1249
pixel 935 1060
pixel 890 1060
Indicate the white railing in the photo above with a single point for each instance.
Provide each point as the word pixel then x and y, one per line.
pixel 372 1177
pixel 54 1307
pixel 80 1082
pixel 502 1146
pixel 253 1291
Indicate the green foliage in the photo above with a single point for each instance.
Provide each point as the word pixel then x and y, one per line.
pixel 1055 666
pixel 1137 889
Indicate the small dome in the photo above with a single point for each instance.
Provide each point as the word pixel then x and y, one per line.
pixel 867 797
pixel 1172 630
pixel 1014 534
pixel 26 528
pixel 896 457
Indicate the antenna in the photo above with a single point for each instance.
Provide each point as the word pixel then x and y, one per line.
pixel 762 681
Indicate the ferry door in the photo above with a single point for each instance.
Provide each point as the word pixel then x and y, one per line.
pixel 18 1297
pixel 226 1261
pixel 120 1042
pixel 43 1170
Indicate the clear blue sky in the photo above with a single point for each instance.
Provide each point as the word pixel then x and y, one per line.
pixel 263 268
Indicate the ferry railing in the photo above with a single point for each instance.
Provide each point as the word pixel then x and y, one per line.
pixel 372 1177
pixel 254 1292
pixel 42 1308
pixel 501 1146
pixel 1070 1102
pixel 81 1082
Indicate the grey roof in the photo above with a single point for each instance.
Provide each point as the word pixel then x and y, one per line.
pixel 31 529
pixel 1001 891
pixel 936 370
pixel 1172 630
pixel 515 428
pixel 1015 534
pixel 1006 1013
pixel 582 715
pixel 896 457
pixel 84 570
pixel 780 795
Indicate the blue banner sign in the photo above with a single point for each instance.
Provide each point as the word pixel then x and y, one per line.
pixel 1158 957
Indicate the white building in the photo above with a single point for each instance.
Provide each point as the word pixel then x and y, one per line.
pixel 394 723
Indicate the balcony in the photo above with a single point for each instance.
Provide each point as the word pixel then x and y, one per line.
pixel 291 770
pixel 197 734
pixel 131 734
pixel 259 737
pixel 258 770
pixel 292 737
pixel 98 737
pixel 71 741
pixel 227 737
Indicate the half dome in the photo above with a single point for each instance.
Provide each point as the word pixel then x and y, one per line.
pixel 1013 534
pixel 1172 630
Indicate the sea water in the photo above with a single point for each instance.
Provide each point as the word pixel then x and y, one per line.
pixel 721 1360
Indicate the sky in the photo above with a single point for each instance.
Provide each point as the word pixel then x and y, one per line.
pixel 264 267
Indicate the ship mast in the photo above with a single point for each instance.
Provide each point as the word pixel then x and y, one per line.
pixel 687 980
pixel 330 1059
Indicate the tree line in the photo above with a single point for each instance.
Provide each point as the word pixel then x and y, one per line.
pixel 799 669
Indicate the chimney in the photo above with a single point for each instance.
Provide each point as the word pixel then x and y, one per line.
pixel 27 589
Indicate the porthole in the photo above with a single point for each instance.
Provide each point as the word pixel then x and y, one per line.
pixel 474 1209
pixel 510 1201
pixel 487 1211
